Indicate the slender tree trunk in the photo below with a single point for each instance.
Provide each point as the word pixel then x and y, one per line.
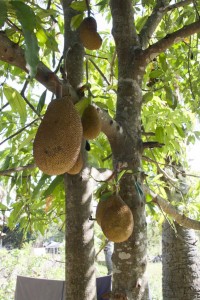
pixel 181 264
pixel 80 253
pixel 80 270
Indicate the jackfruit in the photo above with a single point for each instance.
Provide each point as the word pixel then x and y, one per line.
pixel 88 23
pixel 101 208
pixel 89 35
pixel 91 123
pixel 77 167
pixel 58 140
pixel 117 220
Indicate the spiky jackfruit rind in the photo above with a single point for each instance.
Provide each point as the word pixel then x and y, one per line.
pixel 91 123
pixel 117 220
pixel 58 140
pixel 103 203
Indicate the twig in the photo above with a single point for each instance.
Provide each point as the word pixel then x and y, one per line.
pixel 26 100
pixel 19 131
pixel 100 72
pixel 145 158
pixel 17 169
pixel 152 145
pixel 172 211
pixel 4 106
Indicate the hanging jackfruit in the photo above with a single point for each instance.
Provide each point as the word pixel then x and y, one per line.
pixel 89 35
pixel 91 123
pixel 117 220
pixel 58 139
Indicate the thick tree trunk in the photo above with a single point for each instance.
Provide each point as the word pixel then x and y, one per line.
pixel 80 253
pixel 181 264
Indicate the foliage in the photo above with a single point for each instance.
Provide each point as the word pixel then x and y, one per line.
pixel 170 102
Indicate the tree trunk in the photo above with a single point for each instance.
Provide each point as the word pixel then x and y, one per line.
pixel 181 271
pixel 80 253
pixel 130 257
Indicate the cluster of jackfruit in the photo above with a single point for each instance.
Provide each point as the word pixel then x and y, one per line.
pixel 115 218
pixel 57 144
pixel 89 35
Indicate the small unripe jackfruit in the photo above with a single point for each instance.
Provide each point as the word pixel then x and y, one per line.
pixel 58 139
pixel 89 35
pixel 117 220
pixel 91 123
pixel 88 23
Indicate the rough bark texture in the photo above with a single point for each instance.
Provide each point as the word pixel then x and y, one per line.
pixel 80 253
pixel 129 258
pixel 181 264
pixel 80 270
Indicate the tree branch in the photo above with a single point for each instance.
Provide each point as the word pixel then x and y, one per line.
pixel 152 23
pixel 147 145
pixel 155 18
pixel 17 169
pixel 13 54
pixel 170 39
pixel 173 212
pixel 111 129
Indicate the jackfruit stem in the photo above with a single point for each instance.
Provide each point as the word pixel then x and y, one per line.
pixel 88 7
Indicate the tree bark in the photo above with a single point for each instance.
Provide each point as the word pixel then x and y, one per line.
pixel 129 258
pixel 181 271
pixel 80 253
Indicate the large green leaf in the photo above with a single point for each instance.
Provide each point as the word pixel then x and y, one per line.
pixel 16 101
pixel 27 19
pixel 25 15
pixel 31 51
pixel 3 12
pixel 41 102
pixel 80 5
pixel 53 185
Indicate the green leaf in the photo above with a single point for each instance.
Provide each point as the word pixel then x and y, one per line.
pixel 41 102
pixel 81 105
pixel 180 131
pixel 140 22
pixel 16 101
pixel 147 97
pixel 7 162
pixel 27 141
pixel 39 185
pixel 27 19
pixel 3 12
pixel 31 52
pixel 80 5
pixel 76 21
pixel 25 15
pixel 53 185
pixel 163 62
pixel 3 207
pixel 160 134
pixel 170 98
pixel 155 73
